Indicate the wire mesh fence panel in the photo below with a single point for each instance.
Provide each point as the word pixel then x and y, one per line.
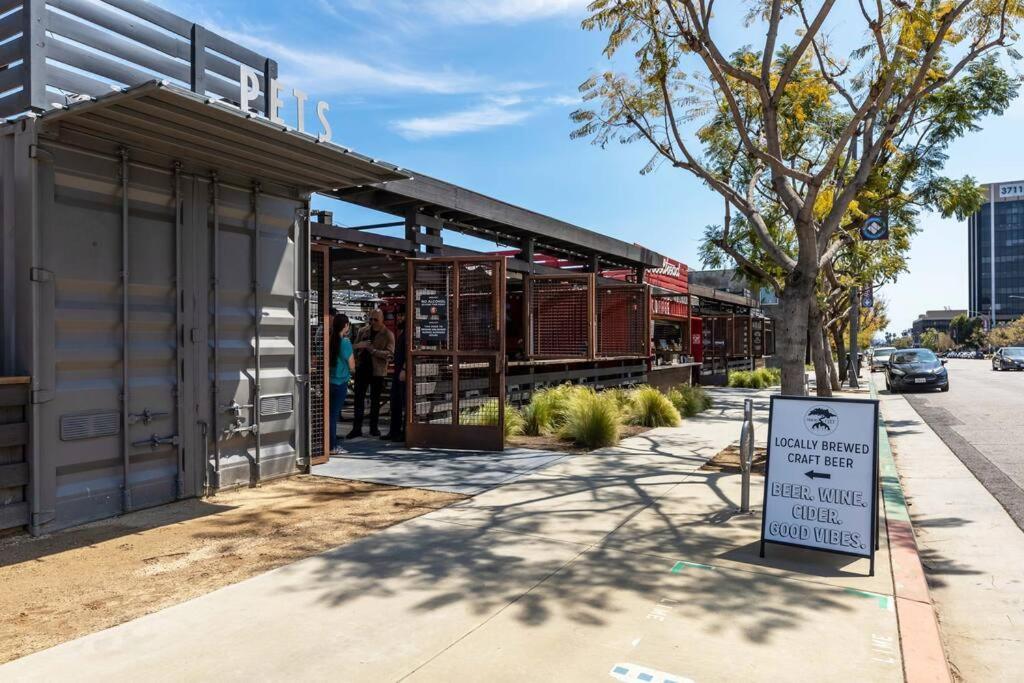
pixel 479 392
pixel 432 390
pixel 478 324
pixel 560 317
pixel 740 336
pixel 621 321
pixel 431 306
pixel 317 357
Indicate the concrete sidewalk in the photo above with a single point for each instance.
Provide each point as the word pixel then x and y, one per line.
pixel 627 564
pixel 972 550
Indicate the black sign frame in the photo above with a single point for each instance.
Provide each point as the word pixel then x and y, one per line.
pixel 875 477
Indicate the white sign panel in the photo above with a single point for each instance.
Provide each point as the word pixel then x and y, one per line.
pixel 822 474
pixel 1008 190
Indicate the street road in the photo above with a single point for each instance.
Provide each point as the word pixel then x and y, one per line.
pixel 981 419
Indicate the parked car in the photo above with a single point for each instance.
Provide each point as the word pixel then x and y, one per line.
pixel 880 357
pixel 915 369
pixel 1008 358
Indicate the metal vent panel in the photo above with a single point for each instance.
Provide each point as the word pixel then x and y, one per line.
pixel 75 427
pixel 281 404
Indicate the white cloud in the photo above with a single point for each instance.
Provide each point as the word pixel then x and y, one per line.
pixel 564 100
pixel 471 11
pixel 496 111
pixel 325 72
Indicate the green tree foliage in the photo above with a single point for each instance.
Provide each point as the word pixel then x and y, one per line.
pixel 1010 334
pixel 939 342
pixel 801 141
pixel 905 342
pixel 967 331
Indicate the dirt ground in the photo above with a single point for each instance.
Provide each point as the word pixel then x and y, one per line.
pixel 728 460
pixel 69 584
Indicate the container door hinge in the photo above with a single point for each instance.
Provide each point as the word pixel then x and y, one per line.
pixel 42 396
pixel 194 335
pixel 301 379
pixel 40 275
pixel 42 518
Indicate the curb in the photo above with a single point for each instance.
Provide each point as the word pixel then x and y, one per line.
pixel 924 658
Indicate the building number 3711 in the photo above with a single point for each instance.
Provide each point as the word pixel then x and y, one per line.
pixel 1012 190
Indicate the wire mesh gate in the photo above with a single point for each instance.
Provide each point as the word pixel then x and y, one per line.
pixel 456 362
pixel 319 302
pixel 623 321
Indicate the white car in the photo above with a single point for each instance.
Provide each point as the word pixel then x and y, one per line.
pixel 880 357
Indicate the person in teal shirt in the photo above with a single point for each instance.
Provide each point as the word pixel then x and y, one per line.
pixel 342 364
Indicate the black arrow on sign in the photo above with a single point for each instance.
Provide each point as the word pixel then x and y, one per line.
pixel 811 474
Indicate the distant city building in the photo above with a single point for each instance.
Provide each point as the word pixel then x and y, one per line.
pixel 1007 201
pixel 933 320
pixel 732 281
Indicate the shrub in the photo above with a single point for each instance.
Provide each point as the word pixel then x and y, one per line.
pixel 487 416
pixel 514 422
pixel 769 377
pixel 743 379
pixel 690 400
pixel 755 379
pixel 648 407
pixel 547 409
pixel 622 398
pixel 592 420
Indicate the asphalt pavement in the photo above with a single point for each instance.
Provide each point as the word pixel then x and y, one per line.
pixel 981 419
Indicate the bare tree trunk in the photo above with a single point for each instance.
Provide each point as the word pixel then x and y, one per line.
pixel 791 333
pixel 823 384
pixel 840 342
pixel 830 361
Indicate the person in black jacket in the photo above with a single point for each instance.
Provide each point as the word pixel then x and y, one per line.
pixel 398 375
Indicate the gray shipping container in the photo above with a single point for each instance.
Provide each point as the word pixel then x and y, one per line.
pixel 155 287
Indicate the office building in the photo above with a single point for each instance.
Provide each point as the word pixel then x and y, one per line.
pixel 1003 216
pixel 934 320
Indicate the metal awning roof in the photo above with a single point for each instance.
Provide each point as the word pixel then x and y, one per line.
pixel 482 216
pixel 165 118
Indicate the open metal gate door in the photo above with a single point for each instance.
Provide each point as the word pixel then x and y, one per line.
pixel 319 322
pixel 456 361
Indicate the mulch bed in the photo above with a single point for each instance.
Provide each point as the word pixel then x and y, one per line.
pixel 728 460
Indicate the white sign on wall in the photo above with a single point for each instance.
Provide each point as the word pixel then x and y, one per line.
pixel 249 90
pixel 822 475
pixel 1008 190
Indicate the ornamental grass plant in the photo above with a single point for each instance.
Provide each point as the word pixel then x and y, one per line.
pixel 648 407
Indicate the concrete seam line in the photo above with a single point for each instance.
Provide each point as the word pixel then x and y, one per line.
pixel 921 647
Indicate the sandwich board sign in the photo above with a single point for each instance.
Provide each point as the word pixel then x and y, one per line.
pixel 821 477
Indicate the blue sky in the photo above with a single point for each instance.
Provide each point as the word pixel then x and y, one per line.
pixel 478 92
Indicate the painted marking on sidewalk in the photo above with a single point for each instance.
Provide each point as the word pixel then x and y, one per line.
pixel 628 672
pixel 884 601
pixel 680 566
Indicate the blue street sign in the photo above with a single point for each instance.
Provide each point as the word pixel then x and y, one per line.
pixel 867 296
pixel 875 228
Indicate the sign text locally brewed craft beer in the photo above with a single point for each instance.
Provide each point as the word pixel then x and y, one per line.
pixel 822 474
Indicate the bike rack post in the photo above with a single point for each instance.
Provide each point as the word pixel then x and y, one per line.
pixel 746 452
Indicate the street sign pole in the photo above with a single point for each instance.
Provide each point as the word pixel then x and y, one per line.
pixel 854 331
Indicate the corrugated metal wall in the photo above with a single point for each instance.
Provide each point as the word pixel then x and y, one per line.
pixel 176 427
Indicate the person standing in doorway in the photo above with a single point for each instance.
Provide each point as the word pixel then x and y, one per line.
pixel 397 431
pixel 342 364
pixel 375 344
